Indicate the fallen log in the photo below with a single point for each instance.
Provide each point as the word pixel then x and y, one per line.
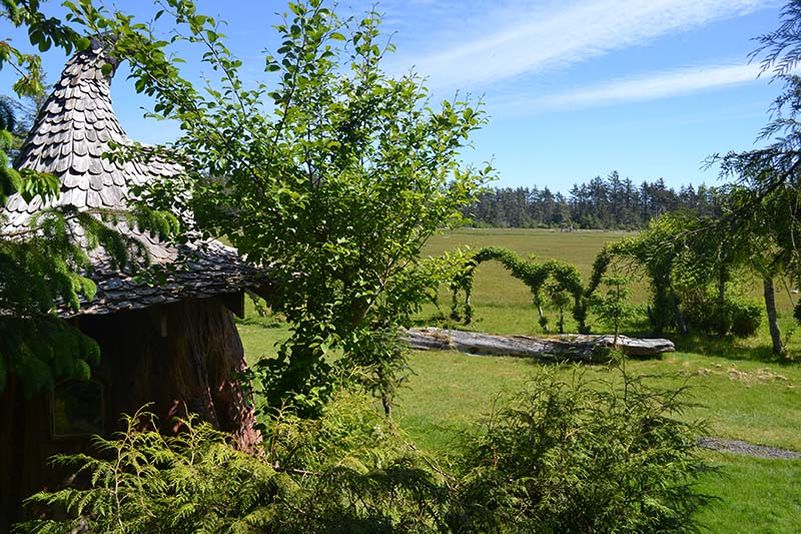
pixel 586 348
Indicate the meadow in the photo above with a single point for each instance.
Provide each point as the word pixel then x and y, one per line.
pixel 736 386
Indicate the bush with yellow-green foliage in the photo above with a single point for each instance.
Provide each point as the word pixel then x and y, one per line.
pixel 564 456
pixel 581 456
pixel 346 471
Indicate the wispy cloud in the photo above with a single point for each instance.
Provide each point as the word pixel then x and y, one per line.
pixel 560 35
pixel 651 86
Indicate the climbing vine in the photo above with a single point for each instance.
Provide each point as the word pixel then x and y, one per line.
pixel 655 252
pixel 677 253
pixel 688 264
pixel 561 278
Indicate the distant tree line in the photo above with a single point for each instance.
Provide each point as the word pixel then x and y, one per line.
pixel 602 203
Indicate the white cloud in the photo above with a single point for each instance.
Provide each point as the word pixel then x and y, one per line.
pixel 651 86
pixel 561 35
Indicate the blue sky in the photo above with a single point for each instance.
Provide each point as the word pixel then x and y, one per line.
pixel 574 88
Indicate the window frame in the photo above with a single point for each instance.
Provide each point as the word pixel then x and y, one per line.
pixel 52 410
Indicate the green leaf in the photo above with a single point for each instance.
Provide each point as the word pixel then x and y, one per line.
pixel 82 370
pixel 83 43
pixel 44 44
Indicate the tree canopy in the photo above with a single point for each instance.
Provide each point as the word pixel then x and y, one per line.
pixel 600 203
pixel 330 173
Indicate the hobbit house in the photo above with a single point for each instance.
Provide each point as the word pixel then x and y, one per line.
pixel 171 344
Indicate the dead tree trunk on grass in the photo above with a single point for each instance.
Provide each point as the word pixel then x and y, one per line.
pixel 579 348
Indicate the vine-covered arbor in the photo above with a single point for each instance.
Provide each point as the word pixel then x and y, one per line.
pixel 566 281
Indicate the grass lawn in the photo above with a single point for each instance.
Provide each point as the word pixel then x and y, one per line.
pixel 754 495
pixel 451 392
pixel 751 401
pixel 739 389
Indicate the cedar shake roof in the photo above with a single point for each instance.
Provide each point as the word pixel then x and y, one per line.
pixel 70 135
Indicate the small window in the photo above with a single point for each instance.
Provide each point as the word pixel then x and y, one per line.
pixel 77 409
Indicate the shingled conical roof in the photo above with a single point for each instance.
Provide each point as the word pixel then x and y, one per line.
pixel 71 133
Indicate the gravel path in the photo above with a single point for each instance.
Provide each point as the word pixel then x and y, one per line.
pixel 736 446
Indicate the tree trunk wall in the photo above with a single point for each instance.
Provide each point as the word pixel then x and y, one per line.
pixel 190 369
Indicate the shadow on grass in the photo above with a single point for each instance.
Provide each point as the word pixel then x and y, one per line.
pixel 258 320
pixel 725 347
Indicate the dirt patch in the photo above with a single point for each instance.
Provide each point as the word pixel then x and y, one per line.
pixel 736 446
pixel 757 376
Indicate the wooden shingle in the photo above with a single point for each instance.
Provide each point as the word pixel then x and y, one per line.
pixel 69 138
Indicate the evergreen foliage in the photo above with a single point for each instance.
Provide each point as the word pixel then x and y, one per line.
pixel 767 203
pixel 8 120
pixel 44 267
pixel 563 456
pixel 611 203
pixel 767 242
pixel 345 472
pixel 583 457
pixel 38 270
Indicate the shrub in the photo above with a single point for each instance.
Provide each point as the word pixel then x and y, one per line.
pixel 579 457
pixel 344 472
pixel 613 308
pixel 564 456
pixel 703 313
pixel 746 316
pixel 700 310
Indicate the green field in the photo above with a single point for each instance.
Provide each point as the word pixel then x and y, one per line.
pixel 740 390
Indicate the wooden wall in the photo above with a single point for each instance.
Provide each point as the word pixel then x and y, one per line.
pixel 179 357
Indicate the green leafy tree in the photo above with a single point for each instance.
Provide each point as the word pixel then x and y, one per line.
pixel 613 308
pixel 330 172
pixel 44 32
